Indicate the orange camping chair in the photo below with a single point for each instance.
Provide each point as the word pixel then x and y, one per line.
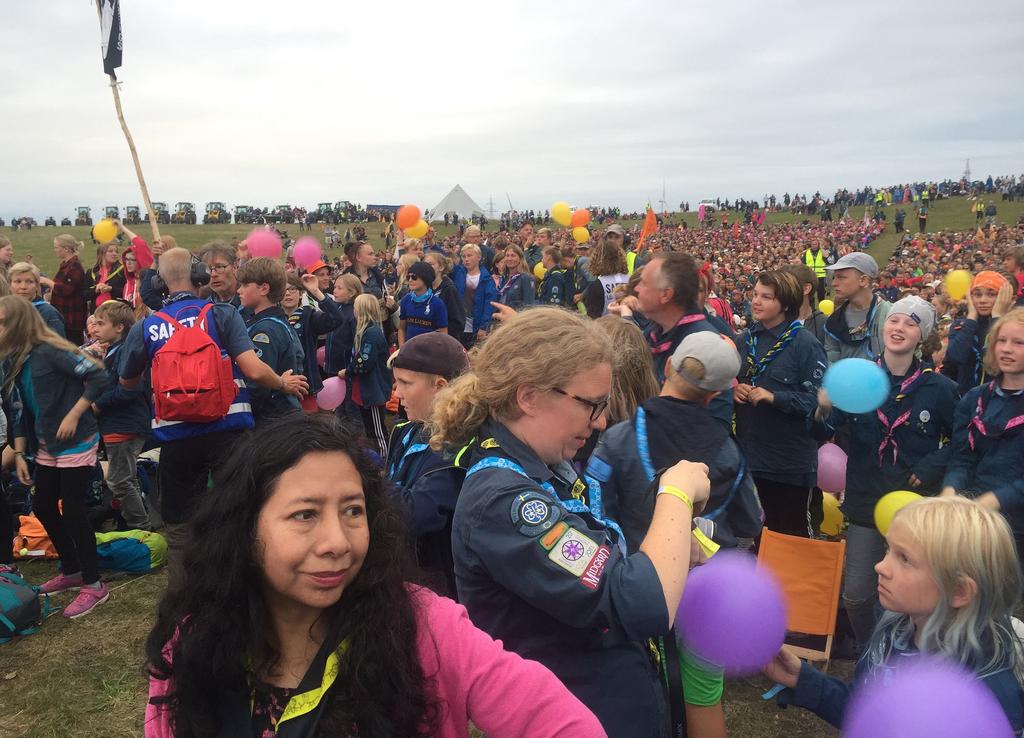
pixel 811 574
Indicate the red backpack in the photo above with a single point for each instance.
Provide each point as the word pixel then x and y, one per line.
pixel 192 380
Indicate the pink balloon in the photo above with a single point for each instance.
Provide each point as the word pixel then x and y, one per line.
pixel 306 251
pixel 831 468
pixel 263 243
pixel 321 356
pixel 332 395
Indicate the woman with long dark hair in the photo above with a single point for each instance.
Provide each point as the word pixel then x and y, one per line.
pixel 294 617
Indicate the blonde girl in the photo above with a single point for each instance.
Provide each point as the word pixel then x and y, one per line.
pixel 445 289
pixel 338 346
pixel 68 287
pixel 516 287
pixel 988 429
pixel 536 390
pixel 24 282
pixel 405 261
pixel 368 369
pixel 949 584
pixel 56 385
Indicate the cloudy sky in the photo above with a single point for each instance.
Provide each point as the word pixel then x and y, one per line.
pixel 297 102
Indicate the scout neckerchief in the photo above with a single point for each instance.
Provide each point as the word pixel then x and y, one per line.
pixel 889 427
pixel 978 425
pixel 306 704
pixel 506 284
pixel 659 346
pixel 756 367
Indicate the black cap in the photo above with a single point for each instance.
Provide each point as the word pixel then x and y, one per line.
pixel 424 271
pixel 432 353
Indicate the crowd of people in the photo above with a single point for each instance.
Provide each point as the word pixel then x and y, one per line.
pixel 537 440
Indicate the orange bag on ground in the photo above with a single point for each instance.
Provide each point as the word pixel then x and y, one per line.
pixel 31 540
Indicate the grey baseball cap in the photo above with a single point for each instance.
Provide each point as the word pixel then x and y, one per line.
pixel 863 263
pixel 615 228
pixel 716 353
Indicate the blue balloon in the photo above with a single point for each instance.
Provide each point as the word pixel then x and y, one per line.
pixel 856 385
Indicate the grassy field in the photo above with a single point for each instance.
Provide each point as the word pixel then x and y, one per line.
pixel 951 213
pixel 85 678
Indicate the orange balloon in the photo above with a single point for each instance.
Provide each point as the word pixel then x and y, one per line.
pixel 408 216
pixel 580 218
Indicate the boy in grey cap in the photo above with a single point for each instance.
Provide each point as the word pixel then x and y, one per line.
pixel 666 429
pixel 855 328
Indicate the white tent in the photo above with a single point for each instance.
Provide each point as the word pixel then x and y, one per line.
pixel 457 202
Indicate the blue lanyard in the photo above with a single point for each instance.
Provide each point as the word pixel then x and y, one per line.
pixel 643 448
pixel 413 449
pixel 575 506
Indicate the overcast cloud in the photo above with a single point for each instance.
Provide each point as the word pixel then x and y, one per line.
pixel 594 103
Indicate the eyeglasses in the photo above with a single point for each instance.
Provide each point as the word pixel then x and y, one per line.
pixel 219 267
pixel 596 408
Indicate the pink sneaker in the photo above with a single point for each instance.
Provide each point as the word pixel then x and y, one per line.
pixel 88 598
pixel 61 582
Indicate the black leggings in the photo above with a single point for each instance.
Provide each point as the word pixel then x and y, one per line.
pixel 70 530
pixel 785 507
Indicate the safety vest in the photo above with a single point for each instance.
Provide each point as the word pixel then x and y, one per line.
pixel 608 284
pixel 630 262
pixel 817 263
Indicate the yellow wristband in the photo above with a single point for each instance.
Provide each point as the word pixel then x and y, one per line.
pixel 709 547
pixel 668 489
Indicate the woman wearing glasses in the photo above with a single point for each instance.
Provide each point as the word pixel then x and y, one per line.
pixel 537 564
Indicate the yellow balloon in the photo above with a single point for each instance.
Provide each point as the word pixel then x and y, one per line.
pixel 561 213
pixel 581 234
pixel 104 231
pixel 958 284
pixel 826 306
pixel 419 230
pixel 539 271
pixel 832 525
pixel 891 504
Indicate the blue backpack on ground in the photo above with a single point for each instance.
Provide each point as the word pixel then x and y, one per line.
pixel 20 609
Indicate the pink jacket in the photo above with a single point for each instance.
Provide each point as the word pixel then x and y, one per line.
pixel 476 679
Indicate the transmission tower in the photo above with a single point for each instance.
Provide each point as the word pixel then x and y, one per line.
pixel 967 171
pixel 490 208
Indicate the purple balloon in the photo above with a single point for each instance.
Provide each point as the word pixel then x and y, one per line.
pixel 732 614
pixel 831 468
pixel 927 699
pixel 306 251
pixel 262 242
pixel 332 394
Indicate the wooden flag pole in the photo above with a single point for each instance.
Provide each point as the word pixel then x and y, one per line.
pixel 131 144
pixel 135 159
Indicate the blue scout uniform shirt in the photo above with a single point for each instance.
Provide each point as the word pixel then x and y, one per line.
pixel 555 585
pixel 994 462
pixel 428 483
pixel 914 439
pixel 776 437
pixel 277 345
pixel 963 362
pixel 227 330
pixel 664 431
pixel 422 313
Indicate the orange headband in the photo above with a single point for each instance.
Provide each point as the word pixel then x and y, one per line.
pixel 989 280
